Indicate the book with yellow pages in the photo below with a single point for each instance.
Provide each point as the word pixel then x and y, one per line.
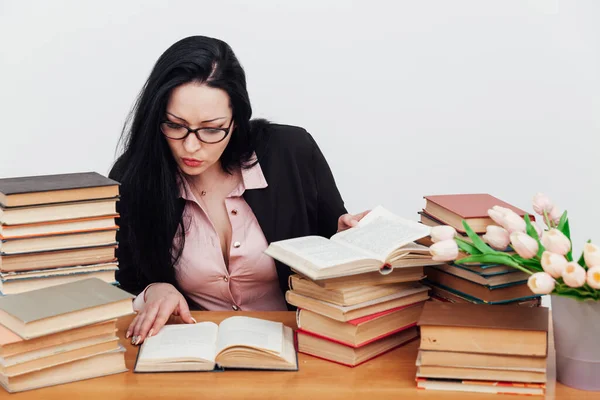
pixel 494 387
pixel 236 343
pixel 380 242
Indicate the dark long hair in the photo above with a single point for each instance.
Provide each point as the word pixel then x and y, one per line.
pixel 150 207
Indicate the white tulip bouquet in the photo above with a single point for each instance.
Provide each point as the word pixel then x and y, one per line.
pixel 545 254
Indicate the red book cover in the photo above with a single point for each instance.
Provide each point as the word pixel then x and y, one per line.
pixel 473 205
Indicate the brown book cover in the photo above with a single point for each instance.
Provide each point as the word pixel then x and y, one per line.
pixel 469 206
pixel 484 316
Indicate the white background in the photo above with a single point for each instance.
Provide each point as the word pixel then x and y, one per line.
pixel 405 98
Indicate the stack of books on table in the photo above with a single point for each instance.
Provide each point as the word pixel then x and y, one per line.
pixel 473 283
pixel 358 294
pixel 56 229
pixel 476 348
pixel 61 334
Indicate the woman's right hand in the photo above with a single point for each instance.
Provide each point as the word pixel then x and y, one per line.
pixel 162 301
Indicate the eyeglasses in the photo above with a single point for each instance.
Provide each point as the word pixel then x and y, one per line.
pixel 175 131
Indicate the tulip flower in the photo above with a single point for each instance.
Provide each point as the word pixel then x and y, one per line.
pixel 442 232
pixel 446 250
pixel 553 264
pixel 542 203
pixel 507 218
pixel 556 242
pixel 541 283
pixel 497 237
pixel 591 255
pixel 537 228
pixel 514 223
pixel 593 277
pixel 574 275
pixel 555 215
pixel 496 216
pixel 525 246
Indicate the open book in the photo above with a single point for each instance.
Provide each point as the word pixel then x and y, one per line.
pixel 381 241
pixel 237 342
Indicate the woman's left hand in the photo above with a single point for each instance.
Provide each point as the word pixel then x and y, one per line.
pixel 348 221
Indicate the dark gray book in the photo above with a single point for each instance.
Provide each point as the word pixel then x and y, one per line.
pixel 48 189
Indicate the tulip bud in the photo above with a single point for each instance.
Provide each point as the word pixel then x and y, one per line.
pixel 555 215
pixel 556 242
pixel 542 203
pixel 541 283
pixel 537 228
pixel 593 277
pixel 497 237
pixel 508 219
pixel 553 264
pixel 442 232
pixel 574 275
pixel 514 223
pixel 446 250
pixel 591 255
pixel 525 246
pixel 496 216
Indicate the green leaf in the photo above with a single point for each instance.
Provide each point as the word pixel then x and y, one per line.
pixel 466 246
pixel 581 260
pixel 567 232
pixel 496 258
pixel 563 221
pixel 477 241
pixel 530 263
pixel 533 233
pixel 579 294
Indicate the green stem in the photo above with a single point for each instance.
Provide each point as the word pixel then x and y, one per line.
pixel 460 239
pixel 516 265
pixel 547 220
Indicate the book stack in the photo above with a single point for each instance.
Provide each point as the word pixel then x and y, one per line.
pixel 358 294
pixel 353 324
pixel 61 334
pixel 473 283
pixel 475 348
pixel 56 229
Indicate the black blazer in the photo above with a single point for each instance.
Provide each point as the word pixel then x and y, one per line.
pixel 301 198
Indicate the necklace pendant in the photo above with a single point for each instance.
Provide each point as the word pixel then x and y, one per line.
pixel 203 193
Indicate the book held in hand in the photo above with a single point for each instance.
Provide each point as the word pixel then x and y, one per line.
pixel 236 343
pixel 380 242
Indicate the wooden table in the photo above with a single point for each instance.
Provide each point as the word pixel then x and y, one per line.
pixel 390 376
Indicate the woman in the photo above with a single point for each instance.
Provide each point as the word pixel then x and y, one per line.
pixel 204 190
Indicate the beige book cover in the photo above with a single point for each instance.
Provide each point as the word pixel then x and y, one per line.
pixel 63 307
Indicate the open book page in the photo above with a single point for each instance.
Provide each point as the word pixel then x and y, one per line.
pixel 250 332
pixel 182 342
pixel 321 252
pixel 381 232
